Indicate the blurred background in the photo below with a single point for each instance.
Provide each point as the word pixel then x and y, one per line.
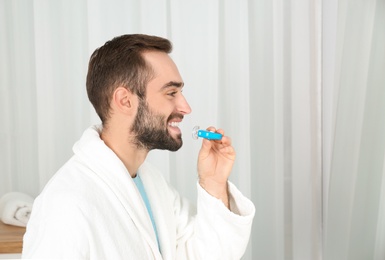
pixel 298 85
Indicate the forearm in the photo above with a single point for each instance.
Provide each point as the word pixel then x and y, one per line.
pixel 219 233
pixel 217 190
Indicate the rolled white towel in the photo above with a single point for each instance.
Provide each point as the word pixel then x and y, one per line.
pixel 15 208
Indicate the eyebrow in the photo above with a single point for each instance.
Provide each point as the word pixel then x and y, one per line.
pixel 173 84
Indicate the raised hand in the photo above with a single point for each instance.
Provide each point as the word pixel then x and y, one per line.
pixel 215 161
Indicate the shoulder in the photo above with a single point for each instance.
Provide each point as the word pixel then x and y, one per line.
pixel 69 189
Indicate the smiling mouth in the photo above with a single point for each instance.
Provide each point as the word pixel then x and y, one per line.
pixel 174 120
pixel 174 124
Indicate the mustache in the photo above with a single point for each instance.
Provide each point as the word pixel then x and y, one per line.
pixel 175 115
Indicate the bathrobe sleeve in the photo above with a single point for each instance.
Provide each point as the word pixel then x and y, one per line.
pixel 215 232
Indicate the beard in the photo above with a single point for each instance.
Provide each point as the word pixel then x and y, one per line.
pixel 151 131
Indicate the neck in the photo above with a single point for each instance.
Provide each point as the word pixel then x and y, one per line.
pixel 120 142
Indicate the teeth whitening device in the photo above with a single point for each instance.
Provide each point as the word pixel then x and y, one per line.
pixel 196 132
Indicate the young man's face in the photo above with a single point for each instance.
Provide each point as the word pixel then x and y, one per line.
pixel 158 117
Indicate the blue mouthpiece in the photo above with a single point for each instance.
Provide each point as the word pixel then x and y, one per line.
pixel 205 134
pixel 209 135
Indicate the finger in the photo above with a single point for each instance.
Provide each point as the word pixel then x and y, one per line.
pixel 221 131
pixel 211 129
pixel 228 152
pixel 225 141
pixel 206 147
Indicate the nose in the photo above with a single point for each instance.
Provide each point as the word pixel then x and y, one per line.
pixel 183 106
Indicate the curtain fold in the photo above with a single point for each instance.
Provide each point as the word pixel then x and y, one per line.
pixel 354 218
pixel 18 134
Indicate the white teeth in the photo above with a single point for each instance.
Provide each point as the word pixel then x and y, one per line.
pixel 173 124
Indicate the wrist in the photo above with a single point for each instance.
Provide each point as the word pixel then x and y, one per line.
pixel 216 189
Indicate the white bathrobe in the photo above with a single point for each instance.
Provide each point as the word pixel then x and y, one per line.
pixel 91 209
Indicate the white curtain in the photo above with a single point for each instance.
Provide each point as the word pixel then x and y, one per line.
pixel 354 117
pixel 250 67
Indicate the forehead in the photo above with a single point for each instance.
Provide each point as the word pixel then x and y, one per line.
pixel 163 67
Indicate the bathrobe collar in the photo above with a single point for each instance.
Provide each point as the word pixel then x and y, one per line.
pixel 111 170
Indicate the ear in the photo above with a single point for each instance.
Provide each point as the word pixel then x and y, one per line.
pixel 124 100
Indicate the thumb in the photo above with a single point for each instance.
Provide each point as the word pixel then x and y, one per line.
pixel 205 149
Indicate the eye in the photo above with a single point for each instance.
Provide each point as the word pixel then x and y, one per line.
pixel 172 93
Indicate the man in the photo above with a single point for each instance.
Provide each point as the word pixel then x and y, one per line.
pixel 106 202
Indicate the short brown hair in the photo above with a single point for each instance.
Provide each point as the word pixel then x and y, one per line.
pixel 119 63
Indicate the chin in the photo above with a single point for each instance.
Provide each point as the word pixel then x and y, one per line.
pixel 174 146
